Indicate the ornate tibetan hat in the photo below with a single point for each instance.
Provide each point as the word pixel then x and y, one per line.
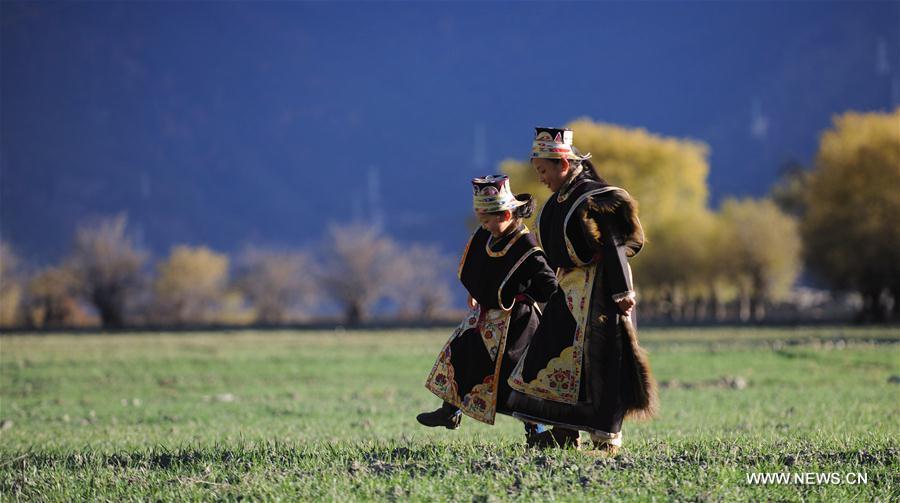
pixel 492 194
pixel 554 143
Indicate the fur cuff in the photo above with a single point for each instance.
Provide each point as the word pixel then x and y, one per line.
pixel 619 297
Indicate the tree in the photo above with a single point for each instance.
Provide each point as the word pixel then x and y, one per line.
pixel 190 284
pixel 277 283
pixel 10 287
pixel 107 264
pixel 788 192
pixel 423 290
pixel 850 227
pixel 666 175
pixel 718 266
pixel 676 273
pixel 52 298
pixel 360 266
pixel 764 246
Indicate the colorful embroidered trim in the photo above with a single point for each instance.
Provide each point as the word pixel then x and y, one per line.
pixel 561 378
pixel 492 193
pixel 481 402
pixel 487 246
pixel 546 145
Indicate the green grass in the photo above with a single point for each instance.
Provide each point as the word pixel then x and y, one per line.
pixel 290 415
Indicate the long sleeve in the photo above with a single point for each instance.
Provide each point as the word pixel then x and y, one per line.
pixel 533 278
pixel 543 282
pixel 612 229
pixel 616 271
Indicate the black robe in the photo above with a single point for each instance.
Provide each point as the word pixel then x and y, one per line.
pixel 506 278
pixel 584 368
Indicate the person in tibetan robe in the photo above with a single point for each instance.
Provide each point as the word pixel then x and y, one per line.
pixel 505 273
pixel 583 369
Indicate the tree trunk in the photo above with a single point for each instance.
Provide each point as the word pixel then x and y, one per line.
pixel 718 307
pixel 675 304
pixel 759 308
pixel 872 310
pixel 689 313
pixel 701 312
pixel 744 300
pixel 110 312
pixel 895 296
pixel 354 314
pixel 270 314
pixel 758 298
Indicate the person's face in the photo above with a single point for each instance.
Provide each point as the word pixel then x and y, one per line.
pixel 495 224
pixel 550 173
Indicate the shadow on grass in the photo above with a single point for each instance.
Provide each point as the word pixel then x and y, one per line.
pixel 390 458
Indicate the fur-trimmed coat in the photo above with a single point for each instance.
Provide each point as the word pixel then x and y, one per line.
pixel 584 367
pixel 617 211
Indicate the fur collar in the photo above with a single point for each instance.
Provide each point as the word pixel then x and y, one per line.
pixel 620 212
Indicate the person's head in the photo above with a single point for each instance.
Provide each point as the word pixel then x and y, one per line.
pixel 556 160
pixel 495 205
pixel 499 223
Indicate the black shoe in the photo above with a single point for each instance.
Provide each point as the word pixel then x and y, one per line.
pixel 448 417
pixel 557 437
pixel 566 438
pixel 542 440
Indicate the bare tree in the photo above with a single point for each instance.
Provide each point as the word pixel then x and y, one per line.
pixel 106 264
pixel 277 283
pixel 424 290
pixel 360 266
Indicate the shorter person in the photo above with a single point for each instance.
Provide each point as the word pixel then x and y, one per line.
pixel 506 274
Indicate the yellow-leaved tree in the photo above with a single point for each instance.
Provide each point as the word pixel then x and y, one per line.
pixel 52 299
pixel 10 287
pixel 761 248
pixel 190 285
pixel 851 226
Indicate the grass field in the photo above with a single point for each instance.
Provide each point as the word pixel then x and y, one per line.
pixel 293 415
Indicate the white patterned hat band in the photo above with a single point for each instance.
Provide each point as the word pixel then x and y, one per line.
pixel 555 143
pixel 492 194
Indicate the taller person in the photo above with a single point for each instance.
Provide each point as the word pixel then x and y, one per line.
pixel 584 369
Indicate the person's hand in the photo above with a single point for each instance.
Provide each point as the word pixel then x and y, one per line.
pixel 626 305
pixel 472 302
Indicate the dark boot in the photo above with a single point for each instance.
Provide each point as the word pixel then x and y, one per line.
pixel 566 438
pixel 557 437
pixel 448 416
pixel 542 440
pixel 537 436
